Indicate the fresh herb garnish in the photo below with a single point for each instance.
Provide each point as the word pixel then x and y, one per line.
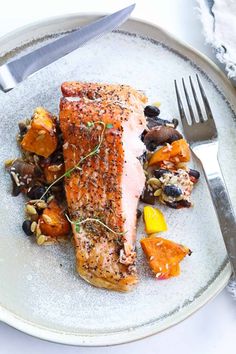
pixel 77 227
pixel 90 124
pixel 67 174
pixel 109 125
pixel 96 150
pixel 77 224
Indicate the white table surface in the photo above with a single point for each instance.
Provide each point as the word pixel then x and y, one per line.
pixel 212 329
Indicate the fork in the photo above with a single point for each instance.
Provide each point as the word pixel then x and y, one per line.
pixel 202 137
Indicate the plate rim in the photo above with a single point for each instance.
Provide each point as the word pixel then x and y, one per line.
pixel 121 337
pixel 124 336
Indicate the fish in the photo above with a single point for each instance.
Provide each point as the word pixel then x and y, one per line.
pixel 101 126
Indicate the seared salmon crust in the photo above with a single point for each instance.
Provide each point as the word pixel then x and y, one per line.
pixel 106 186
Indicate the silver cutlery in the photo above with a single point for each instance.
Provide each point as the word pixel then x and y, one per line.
pixel 202 136
pixel 18 70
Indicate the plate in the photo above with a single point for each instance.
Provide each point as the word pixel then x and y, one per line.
pixel 41 294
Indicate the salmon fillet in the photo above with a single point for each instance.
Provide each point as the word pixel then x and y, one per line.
pixel 107 185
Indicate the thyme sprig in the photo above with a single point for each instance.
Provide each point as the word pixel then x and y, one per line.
pixel 79 222
pixel 91 153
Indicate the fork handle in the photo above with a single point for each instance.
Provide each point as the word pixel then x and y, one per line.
pixel 220 198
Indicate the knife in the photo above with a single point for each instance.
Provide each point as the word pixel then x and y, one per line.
pixel 18 70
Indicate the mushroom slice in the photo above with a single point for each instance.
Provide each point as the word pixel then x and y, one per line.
pixel 159 136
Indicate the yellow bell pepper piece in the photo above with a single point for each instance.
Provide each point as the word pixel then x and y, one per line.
pixel 154 220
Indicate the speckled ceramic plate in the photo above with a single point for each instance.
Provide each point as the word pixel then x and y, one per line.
pixel 40 292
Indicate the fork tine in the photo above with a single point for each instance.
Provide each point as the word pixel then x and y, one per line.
pixel 205 100
pixel 196 101
pixel 181 108
pixel 188 102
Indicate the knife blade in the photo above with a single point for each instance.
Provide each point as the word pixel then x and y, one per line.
pixel 18 70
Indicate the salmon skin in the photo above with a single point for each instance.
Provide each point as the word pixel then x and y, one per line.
pixel 103 191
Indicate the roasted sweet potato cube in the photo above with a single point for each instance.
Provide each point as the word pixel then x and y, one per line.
pixel 178 151
pixel 164 256
pixel 41 137
pixel 53 222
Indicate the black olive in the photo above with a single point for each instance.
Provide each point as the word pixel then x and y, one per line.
pixel 194 173
pixel 148 197
pixel 151 111
pixel 159 173
pixel 172 191
pixel 139 213
pixel 36 192
pixel 26 226
pixel 175 122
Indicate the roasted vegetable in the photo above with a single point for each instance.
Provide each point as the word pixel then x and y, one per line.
pixel 53 171
pixel 53 222
pixel 22 174
pixel 164 256
pixel 154 220
pixel 159 136
pixel 178 151
pixel 147 196
pixel 41 137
